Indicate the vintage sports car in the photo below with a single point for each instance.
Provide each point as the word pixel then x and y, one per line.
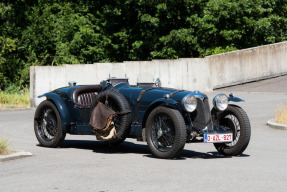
pixel 165 118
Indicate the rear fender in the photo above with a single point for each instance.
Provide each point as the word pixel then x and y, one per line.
pixel 62 108
pixel 170 103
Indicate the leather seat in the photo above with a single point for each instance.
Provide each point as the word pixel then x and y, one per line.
pixel 84 96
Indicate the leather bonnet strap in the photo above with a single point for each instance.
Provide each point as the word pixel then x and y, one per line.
pixel 138 103
pixel 171 94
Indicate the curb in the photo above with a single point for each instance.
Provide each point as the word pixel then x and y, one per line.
pixel 271 123
pixel 17 155
pixel 17 109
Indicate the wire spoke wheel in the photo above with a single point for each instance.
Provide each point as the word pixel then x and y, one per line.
pixel 236 120
pixel 231 123
pixel 165 132
pixel 47 125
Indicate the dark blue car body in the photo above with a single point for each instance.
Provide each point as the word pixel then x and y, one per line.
pixel 156 115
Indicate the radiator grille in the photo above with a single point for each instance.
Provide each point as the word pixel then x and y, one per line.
pixel 201 116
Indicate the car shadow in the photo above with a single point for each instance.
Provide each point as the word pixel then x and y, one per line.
pixel 129 147
pixel 208 155
pixel 103 147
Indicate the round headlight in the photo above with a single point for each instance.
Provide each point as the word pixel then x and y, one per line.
pixel 189 103
pixel 220 102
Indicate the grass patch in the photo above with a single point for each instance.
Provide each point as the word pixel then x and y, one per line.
pixel 4 146
pixel 12 99
pixel 281 114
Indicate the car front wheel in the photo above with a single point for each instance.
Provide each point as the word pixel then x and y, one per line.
pixel 166 132
pixel 236 120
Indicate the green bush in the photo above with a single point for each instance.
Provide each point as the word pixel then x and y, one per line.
pixel 12 97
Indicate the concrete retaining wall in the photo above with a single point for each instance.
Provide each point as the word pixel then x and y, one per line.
pixel 203 74
pixel 248 65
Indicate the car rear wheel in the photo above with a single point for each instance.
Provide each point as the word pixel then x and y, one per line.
pixel 166 132
pixel 47 125
pixel 236 120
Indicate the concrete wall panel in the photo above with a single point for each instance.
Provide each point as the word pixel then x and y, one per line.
pixel 44 79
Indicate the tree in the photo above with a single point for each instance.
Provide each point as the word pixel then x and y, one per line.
pixel 59 32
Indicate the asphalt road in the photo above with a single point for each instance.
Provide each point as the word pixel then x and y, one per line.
pixel 83 164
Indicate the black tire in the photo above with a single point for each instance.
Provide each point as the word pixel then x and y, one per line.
pixel 47 125
pixel 166 132
pixel 118 103
pixel 235 119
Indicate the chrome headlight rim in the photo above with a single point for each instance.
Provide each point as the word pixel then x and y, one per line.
pixel 188 107
pixel 218 104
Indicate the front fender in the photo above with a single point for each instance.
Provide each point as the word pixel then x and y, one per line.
pixel 159 102
pixel 62 108
pixel 234 99
pixel 164 102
